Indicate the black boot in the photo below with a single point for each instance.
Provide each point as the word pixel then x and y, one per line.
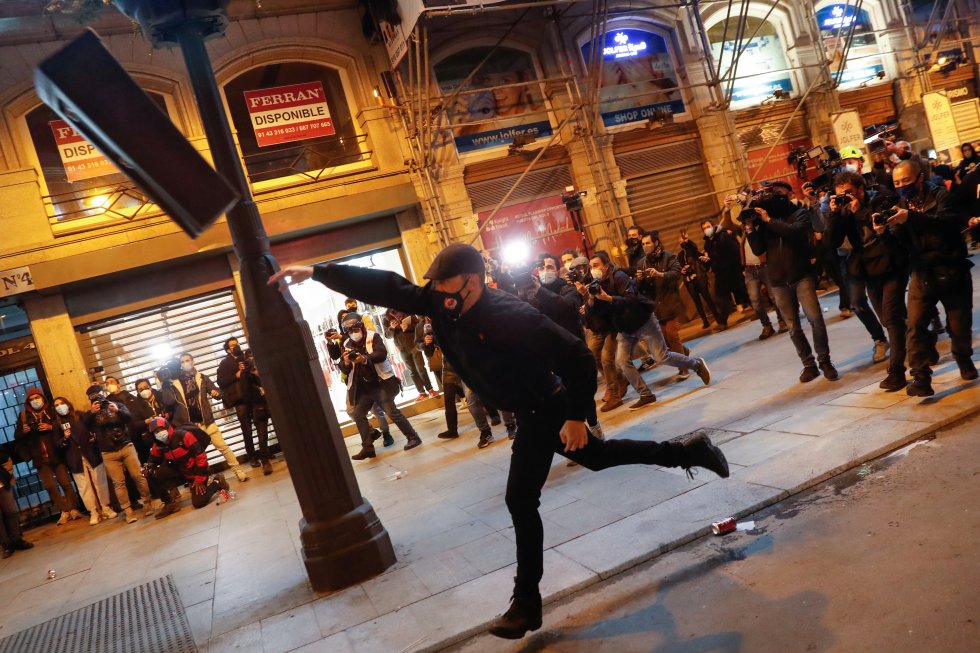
pixel 699 452
pixel 968 371
pixel 413 441
pixel 921 386
pixel 363 454
pixel 523 615
pixel 387 440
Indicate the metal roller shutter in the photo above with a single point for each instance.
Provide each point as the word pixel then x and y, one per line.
pixel 485 195
pixel 130 348
pixel 766 133
pixel 671 200
pixel 967 118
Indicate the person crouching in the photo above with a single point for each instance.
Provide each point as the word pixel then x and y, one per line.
pixel 176 457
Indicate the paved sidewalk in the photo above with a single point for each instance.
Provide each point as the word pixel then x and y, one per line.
pixel 238 565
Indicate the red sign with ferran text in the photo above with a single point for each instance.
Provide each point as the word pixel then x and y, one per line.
pixel 79 157
pixel 289 113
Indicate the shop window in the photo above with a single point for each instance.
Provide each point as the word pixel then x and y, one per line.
pixel 294 122
pixel 639 82
pixel 502 102
pixel 761 71
pixel 83 188
pixel 864 63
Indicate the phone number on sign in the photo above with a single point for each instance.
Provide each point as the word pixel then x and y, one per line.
pixel 296 129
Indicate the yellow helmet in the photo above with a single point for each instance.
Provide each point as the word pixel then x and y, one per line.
pixel 851 152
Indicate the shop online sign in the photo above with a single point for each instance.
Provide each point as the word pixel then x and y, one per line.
pixel 79 157
pixel 289 113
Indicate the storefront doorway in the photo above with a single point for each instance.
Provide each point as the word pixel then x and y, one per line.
pixel 320 307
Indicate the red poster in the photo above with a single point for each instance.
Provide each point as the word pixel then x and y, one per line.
pixel 777 167
pixel 289 113
pixel 79 157
pixel 543 224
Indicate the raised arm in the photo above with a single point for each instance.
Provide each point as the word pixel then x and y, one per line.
pixel 370 286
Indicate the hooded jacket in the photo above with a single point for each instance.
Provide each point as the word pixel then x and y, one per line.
pixel 932 233
pixel 786 244
pixel 174 398
pixel 34 442
pixel 184 450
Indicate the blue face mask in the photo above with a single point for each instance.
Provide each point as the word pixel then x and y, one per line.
pixel 908 192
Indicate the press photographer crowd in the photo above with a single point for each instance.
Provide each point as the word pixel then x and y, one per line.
pixel 893 239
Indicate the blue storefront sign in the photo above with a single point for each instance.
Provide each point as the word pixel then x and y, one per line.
pixel 638 77
pixel 497 137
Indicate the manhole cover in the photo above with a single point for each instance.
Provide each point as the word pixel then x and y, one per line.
pixel 148 618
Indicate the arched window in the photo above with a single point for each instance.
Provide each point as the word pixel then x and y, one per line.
pixel 864 62
pixel 760 64
pixel 83 188
pixel 292 119
pixel 502 101
pixel 639 81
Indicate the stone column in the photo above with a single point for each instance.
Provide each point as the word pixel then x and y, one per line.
pixel 57 345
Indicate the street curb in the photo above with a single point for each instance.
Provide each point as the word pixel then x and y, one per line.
pixel 552 597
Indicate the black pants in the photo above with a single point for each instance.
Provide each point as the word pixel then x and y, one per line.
pixel 534 448
pixel 383 394
pixel 451 390
pixel 833 265
pixel 415 364
pixel 257 414
pixel 167 477
pixel 888 299
pixel 10 524
pixel 957 299
pixel 698 289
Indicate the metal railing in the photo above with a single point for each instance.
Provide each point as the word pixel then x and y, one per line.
pixel 307 163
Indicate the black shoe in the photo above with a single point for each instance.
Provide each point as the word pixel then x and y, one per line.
pixel 767 332
pixel 648 365
pixel 485 439
pixel 168 509
pixel 376 435
pixel 363 454
pixel 783 328
pixel 968 371
pixel 255 462
pixel 702 371
pixel 706 325
pixel 524 615
pixel 829 371
pixel 22 545
pixel 266 467
pixel 809 373
pixel 644 400
pixel 413 441
pixel 920 388
pixel 893 382
pixel 699 452
pixel 387 440
pixel 512 431
pixel 6 553
pixel 448 435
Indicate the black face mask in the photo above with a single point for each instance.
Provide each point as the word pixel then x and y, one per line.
pixel 450 304
pixel 905 156
pixel 236 351
pixel 632 242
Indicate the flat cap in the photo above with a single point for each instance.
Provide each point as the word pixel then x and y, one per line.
pixel 456 259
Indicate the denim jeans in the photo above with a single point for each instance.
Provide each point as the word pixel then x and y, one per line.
pixel 888 298
pixel 858 293
pixel 478 410
pixel 757 276
pixel 603 347
pixel 651 334
pixel 257 414
pixel 958 302
pixel 804 294
pixel 383 394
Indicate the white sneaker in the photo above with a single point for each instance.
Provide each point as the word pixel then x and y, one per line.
pixel 109 513
pixel 94 519
pixel 131 517
pixel 64 518
pixel 240 473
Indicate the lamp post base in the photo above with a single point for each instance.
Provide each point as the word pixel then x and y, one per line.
pixel 346 550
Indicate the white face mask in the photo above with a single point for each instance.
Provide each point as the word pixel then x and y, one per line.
pixel 62 409
pixel 146 394
pixel 356 336
pixel 709 232
pixel 112 388
pixel 852 167
pixel 549 276
pixel 37 404
pixel 568 265
pixel 187 367
pixel 161 435
pixel 596 274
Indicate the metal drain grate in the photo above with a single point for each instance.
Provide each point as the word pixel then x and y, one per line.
pixel 148 618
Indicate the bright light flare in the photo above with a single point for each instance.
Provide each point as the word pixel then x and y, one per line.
pixel 162 352
pixel 515 252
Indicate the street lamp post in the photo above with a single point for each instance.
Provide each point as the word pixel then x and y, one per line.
pixel 343 540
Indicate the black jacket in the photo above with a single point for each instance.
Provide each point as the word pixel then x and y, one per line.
pixel 560 301
pixel 786 244
pixel 365 376
pixel 235 390
pixel 634 256
pixel 37 445
pixel 111 429
pixel 78 443
pixel 628 310
pixel 723 253
pixel 505 350
pixel 404 338
pixel 932 235
pixel 664 290
pixel 871 256
pixel 689 256
pixel 143 410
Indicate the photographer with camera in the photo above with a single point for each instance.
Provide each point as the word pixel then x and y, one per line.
pixel 401 328
pixel 634 247
pixel 658 277
pixel 783 233
pixel 722 257
pixel 241 391
pixel 110 422
pixel 633 317
pixel 335 340
pixel 930 230
pixel 877 267
pixel 193 392
pixel 600 321
pixel 695 276
pixel 177 457
pixel 371 379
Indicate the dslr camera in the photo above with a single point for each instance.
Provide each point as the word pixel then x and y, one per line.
pixel 883 207
pixel 578 275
